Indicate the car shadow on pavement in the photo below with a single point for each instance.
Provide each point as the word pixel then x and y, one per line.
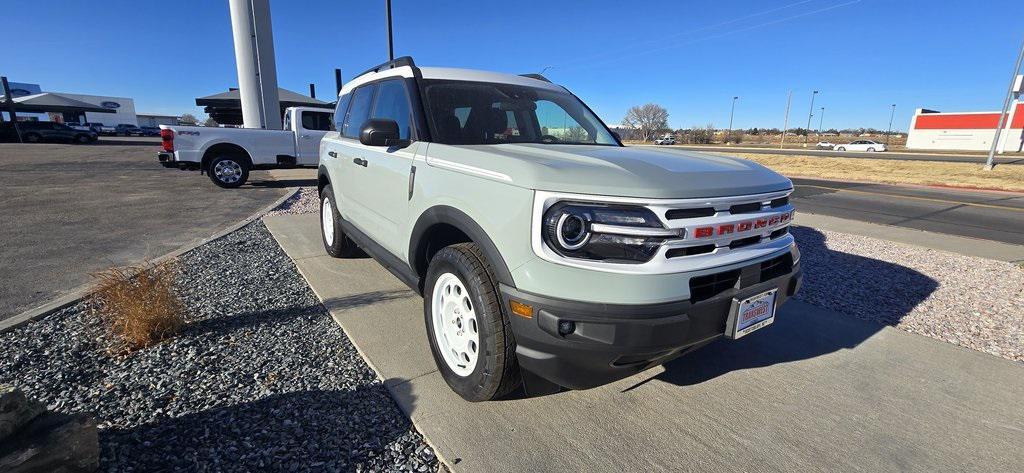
pixel 282 183
pixel 845 286
pixel 316 429
pixel 279 317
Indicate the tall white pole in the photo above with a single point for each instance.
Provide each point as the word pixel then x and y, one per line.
pixel 1006 106
pixel 254 59
pixel 785 123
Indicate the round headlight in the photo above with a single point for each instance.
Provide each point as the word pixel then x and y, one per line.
pixel 571 231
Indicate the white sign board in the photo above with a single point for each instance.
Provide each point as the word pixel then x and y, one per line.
pixel 1018 83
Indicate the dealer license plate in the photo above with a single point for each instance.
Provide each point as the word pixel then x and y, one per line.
pixel 751 314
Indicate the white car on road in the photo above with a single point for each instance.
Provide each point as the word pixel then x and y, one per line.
pixel 825 145
pixel 862 145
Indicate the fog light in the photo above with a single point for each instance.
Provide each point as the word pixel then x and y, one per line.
pixel 565 327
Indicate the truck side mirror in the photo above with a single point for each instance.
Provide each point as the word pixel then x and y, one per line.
pixel 380 132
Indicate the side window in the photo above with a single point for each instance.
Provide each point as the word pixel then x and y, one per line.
pixel 362 98
pixel 339 113
pixel 316 121
pixel 392 102
pixel 555 121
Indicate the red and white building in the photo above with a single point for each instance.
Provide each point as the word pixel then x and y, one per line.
pixel 930 129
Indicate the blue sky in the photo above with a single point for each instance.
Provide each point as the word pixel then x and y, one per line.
pixel 690 56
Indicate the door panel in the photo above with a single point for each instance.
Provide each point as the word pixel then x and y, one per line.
pixel 312 126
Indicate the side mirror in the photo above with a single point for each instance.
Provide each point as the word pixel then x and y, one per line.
pixel 379 132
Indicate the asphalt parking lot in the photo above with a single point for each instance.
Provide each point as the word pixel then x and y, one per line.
pixel 69 210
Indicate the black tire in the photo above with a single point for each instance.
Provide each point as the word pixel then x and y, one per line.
pixel 840 149
pixel 228 171
pixel 496 373
pixel 81 139
pixel 871 150
pixel 32 137
pixel 340 246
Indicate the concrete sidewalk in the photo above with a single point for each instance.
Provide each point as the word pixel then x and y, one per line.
pixel 816 391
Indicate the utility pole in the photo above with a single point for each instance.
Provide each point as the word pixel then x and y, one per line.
pixel 1002 116
pixel 785 123
pixel 312 90
pixel 889 131
pixel 337 81
pixel 821 119
pixel 728 137
pixel 810 113
pixel 391 44
pixel 9 101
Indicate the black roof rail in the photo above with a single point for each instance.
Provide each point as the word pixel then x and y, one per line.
pixel 535 76
pixel 397 62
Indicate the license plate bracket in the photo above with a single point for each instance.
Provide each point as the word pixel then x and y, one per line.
pixel 750 314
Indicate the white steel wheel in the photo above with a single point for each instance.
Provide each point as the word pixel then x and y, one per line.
pixel 456 331
pixel 327 221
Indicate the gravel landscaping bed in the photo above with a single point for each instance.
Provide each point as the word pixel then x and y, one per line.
pixel 305 201
pixel 261 378
pixel 971 302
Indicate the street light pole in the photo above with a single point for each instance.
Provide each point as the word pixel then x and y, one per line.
pixel 821 119
pixel 810 113
pixel 732 110
pixel 1002 116
pixel 785 122
pixel 889 131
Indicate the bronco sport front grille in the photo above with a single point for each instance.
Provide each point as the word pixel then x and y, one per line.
pixel 775 267
pixel 711 285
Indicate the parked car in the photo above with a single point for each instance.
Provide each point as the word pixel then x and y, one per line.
pixel 862 145
pixel 38 131
pixel 665 140
pixel 547 253
pixel 149 131
pixel 825 145
pixel 77 126
pixel 101 129
pixel 227 155
pixel 125 129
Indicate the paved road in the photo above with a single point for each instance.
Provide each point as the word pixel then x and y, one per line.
pixel 987 215
pixel 952 158
pixel 70 210
pixel 816 391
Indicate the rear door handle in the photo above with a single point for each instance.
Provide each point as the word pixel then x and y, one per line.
pixel 332 154
pixel 359 161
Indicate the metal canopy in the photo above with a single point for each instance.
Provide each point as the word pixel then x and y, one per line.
pixel 226 107
pixel 53 102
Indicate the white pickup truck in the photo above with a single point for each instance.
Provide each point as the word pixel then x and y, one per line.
pixel 228 154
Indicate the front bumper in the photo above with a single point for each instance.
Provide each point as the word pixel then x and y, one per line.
pixel 612 341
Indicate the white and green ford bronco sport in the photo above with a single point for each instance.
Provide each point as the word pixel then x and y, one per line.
pixel 547 253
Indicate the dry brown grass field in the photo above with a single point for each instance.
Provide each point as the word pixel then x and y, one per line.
pixel 967 175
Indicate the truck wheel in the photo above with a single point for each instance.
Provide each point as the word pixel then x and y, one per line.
pixel 470 336
pixel 335 241
pixel 32 137
pixel 228 171
pixel 81 139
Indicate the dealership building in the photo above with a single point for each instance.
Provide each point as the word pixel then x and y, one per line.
pixel 122 108
pixel 974 131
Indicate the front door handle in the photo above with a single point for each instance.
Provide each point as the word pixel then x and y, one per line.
pixel 332 154
pixel 360 161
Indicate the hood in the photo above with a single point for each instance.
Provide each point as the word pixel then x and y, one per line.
pixel 618 171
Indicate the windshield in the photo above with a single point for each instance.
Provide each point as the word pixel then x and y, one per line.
pixel 476 113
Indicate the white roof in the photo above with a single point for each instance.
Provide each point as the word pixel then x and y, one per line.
pixel 452 73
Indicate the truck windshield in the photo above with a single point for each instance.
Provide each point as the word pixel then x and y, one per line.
pixel 477 113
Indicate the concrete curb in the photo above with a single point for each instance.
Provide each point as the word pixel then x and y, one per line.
pixel 79 293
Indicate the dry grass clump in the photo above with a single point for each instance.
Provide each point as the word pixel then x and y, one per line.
pixel 1005 177
pixel 139 304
